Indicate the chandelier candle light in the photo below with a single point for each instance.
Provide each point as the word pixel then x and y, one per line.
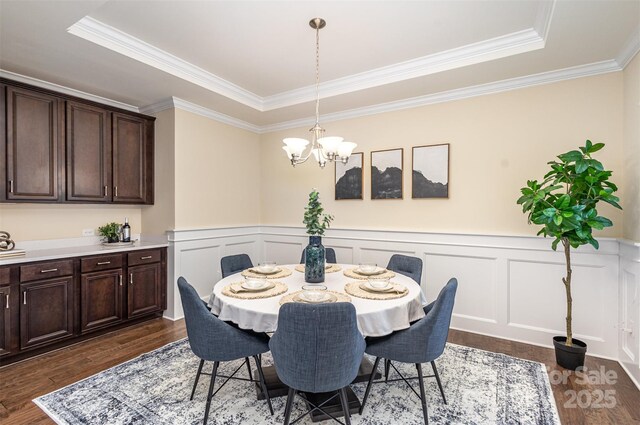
pixel 323 148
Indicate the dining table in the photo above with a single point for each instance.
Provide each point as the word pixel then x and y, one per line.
pixel 376 317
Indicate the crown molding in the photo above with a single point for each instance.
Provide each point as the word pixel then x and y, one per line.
pixel 495 48
pixel 630 49
pixel 543 18
pixel 457 94
pixel 113 39
pixel 177 103
pixel 66 90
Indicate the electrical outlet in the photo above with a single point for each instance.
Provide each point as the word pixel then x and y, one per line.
pixel 88 232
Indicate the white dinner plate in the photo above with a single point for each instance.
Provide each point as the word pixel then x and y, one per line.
pixel 379 270
pixel 266 286
pixel 367 287
pixel 256 270
pixel 326 297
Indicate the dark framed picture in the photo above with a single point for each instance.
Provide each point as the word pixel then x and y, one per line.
pixel 349 177
pixel 430 174
pixel 386 174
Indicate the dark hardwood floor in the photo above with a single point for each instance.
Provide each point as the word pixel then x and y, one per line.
pixel 608 398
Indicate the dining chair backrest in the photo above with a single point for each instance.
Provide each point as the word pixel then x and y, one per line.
pixel 232 264
pixel 317 347
pixel 438 319
pixel 406 265
pixel 329 255
pixel 211 338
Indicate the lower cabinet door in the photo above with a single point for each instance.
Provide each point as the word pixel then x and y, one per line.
pixel 144 290
pixel 5 320
pixel 101 302
pixel 46 311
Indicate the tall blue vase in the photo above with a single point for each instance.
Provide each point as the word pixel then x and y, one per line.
pixel 314 260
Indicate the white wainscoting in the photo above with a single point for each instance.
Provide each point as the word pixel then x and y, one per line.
pixel 629 338
pixel 509 286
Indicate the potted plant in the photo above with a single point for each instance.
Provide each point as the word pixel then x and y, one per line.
pixel 110 231
pixel 317 221
pixel 564 204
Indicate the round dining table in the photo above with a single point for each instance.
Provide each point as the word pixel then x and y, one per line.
pixel 375 317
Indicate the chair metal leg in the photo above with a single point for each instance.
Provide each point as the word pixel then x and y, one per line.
pixel 373 374
pixel 195 384
pixel 344 401
pixel 263 384
pixel 287 410
pixel 246 359
pixel 387 369
pixel 423 397
pixel 214 372
pixel 435 372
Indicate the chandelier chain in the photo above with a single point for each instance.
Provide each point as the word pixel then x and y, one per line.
pixel 317 75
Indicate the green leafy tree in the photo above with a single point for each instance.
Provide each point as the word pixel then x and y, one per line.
pixel 564 204
pixel 316 220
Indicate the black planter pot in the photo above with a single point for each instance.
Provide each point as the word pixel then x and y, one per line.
pixel 569 356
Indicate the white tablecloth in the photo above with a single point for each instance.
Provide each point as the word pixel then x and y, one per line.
pixel 375 317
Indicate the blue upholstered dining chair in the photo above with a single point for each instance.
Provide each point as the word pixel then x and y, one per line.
pixel 317 348
pixel 329 255
pixel 408 266
pixel 232 264
pixel 211 339
pixel 424 341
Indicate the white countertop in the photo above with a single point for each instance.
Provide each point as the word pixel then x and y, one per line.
pixel 54 253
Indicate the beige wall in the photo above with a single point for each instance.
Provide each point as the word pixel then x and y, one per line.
pixel 159 217
pixel 28 222
pixel 497 142
pixel 631 150
pixel 217 169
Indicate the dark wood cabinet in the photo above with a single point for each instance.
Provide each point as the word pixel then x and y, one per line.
pixel 132 160
pixel 34 145
pixel 88 140
pixel 84 152
pixel 49 304
pixel 5 320
pixel 46 311
pixel 101 299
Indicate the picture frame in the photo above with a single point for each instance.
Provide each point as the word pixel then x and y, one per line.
pixel 430 171
pixel 349 178
pixel 386 174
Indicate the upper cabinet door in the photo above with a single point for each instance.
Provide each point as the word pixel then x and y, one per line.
pixel 88 153
pixel 132 159
pixel 34 146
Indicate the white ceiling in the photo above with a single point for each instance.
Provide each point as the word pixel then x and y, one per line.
pixel 252 63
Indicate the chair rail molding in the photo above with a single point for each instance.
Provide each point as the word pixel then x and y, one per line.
pixel 509 286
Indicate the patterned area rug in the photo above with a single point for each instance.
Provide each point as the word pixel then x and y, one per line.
pixel 481 388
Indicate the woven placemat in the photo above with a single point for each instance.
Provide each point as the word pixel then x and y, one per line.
pixel 331 269
pixel 341 298
pixel 355 275
pixel 353 288
pixel 284 272
pixel 278 288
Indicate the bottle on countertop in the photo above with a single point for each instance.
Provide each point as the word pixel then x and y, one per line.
pixel 126 231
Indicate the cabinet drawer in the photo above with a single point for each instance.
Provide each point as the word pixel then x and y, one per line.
pixel 46 270
pixel 144 257
pixel 103 262
pixel 5 276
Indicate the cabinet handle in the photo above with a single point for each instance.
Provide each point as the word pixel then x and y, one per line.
pixel 7 305
pixel 106 191
pixel 10 186
pixel 102 263
pixel 48 270
pixel 24 298
pixel 147 257
pixel 115 191
pixel 120 280
pixel 131 278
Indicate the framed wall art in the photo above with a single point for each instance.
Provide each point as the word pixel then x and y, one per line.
pixel 430 172
pixel 349 177
pixel 386 174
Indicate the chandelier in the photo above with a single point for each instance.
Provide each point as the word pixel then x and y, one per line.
pixel 324 149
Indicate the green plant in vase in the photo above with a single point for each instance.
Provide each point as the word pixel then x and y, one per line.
pixel 317 221
pixel 110 231
pixel 564 204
